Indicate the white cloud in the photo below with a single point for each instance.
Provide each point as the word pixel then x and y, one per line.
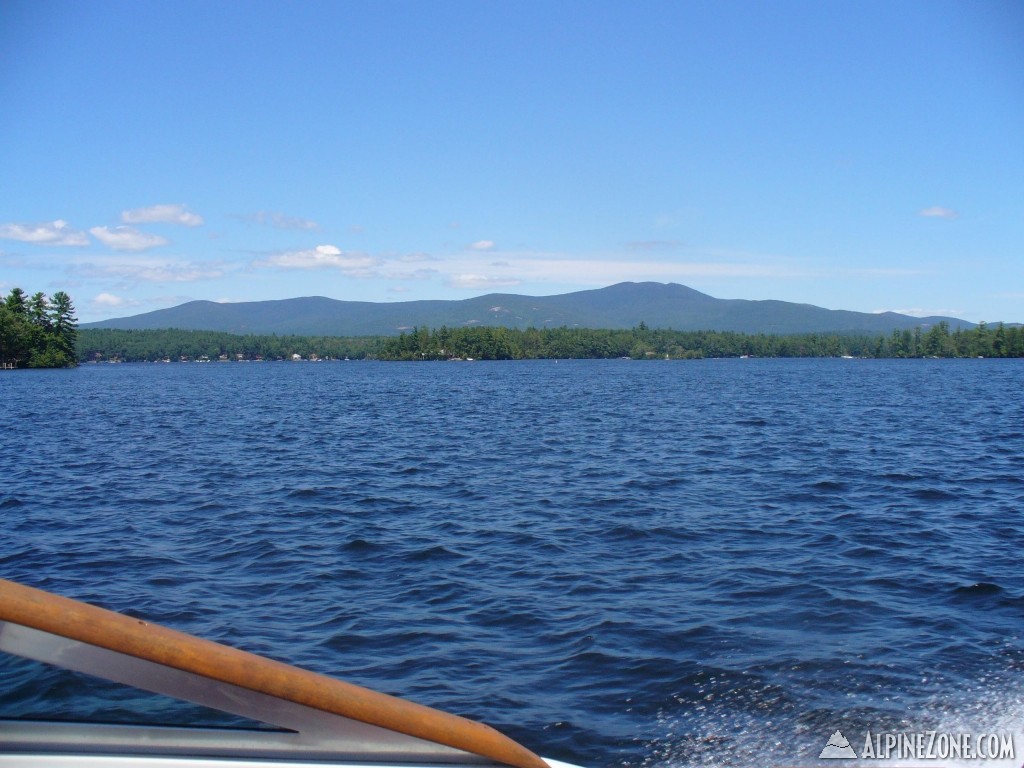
pixel 481 281
pixel 127 238
pixel 324 257
pixel 279 220
pixel 110 301
pixel 482 245
pixel 166 214
pixel 938 212
pixel 107 300
pixel 57 232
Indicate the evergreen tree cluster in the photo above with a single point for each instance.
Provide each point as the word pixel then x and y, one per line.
pixel 132 346
pixel 640 343
pixel 37 331
pixel 497 343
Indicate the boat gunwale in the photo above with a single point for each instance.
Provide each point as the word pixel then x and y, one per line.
pixel 95 626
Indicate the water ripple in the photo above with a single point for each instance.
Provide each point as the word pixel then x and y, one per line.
pixel 618 563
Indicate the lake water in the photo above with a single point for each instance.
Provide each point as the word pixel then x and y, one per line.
pixel 713 562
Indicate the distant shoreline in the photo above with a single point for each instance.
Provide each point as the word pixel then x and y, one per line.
pixel 497 343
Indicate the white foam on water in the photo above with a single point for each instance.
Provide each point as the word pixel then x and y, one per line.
pixel 997 712
pixel 704 736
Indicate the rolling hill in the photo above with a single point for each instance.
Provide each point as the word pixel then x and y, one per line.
pixel 624 305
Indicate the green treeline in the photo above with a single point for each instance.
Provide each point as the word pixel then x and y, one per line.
pixel 106 344
pixel 496 343
pixel 37 331
pixel 488 343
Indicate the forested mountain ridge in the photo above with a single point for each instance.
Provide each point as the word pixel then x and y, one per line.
pixel 620 306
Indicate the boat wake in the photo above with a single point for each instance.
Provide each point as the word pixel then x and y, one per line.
pixel 976 725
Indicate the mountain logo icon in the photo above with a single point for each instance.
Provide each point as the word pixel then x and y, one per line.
pixel 838 748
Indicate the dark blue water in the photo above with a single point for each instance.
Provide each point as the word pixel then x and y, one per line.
pixel 659 564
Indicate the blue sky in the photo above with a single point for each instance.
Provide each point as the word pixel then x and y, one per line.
pixel 855 155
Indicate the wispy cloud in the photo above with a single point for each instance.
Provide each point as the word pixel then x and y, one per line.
pixel 667 220
pixel 127 238
pixel 414 258
pixel 466 271
pixel 480 281
pixel 919 312
pixel 15 261
pixel 482 245
pixel 938 212
pixel 323 257
pixel 653 245
pixel 279 220
pixel 886 272
pixel 145 269
pixel 424 273
pixel 57 232
pixel 165 214
pixel 560 268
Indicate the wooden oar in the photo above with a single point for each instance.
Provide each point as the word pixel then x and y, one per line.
pixel 115 632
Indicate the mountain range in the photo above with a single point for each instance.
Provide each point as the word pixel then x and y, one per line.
pixel 624 305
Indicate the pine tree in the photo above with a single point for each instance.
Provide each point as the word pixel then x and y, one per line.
pixel 64 325
pixel 17 302
pixel 37 332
